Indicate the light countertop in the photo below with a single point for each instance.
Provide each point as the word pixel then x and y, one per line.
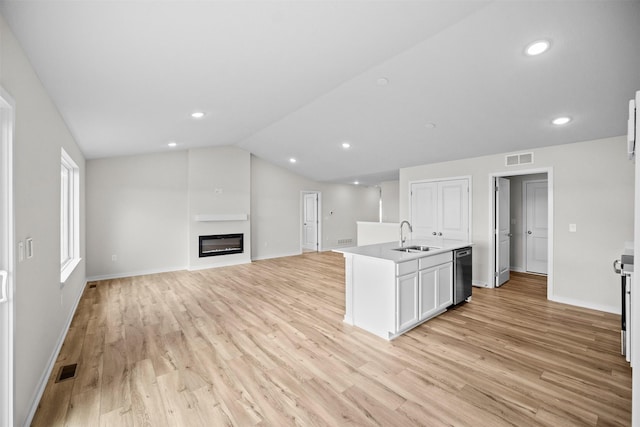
pixel 384 251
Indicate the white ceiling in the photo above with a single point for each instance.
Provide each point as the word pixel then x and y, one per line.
pixel 297 78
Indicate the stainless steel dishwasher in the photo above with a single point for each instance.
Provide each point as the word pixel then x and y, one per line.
pixel 462 265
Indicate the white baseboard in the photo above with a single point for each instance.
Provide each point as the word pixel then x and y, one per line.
pixel 517 269
pixel 280 255
pixel 586 304
pixel 134 273
pixel 223 264
pixel 480 284
pixel 44 379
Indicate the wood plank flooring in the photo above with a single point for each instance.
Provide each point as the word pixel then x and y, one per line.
pixel 264 344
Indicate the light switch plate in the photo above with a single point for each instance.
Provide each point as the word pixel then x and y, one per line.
pixel 572 228
pixel 20 251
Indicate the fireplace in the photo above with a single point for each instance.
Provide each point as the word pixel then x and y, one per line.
pixel 221 244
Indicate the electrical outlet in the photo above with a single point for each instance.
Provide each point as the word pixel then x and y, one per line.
pixel 114 258
pixel 572 228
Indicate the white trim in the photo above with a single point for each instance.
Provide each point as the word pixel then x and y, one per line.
pixel 492 202
pixel 44 378
pixel 281 255
pixel 222 264
pixel 319 218
pixel 74 259
pixel 586 304
pixel 136 273
pixel 221 217
pixel 7 124
pixel 518 269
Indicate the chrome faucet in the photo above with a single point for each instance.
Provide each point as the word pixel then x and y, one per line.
pixel 402 238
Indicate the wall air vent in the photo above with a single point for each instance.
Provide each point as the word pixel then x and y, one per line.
pixel 518 159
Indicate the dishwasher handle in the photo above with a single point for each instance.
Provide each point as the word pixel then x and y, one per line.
pixel 462 253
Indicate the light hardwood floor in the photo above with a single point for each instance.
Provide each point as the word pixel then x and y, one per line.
pixel 264 344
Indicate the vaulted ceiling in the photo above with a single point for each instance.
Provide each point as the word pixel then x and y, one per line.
pixel 404 82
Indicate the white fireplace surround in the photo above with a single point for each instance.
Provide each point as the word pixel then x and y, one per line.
pixel 221 217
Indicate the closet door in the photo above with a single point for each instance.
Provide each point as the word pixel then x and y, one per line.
pixel 453 209
pixel 424 210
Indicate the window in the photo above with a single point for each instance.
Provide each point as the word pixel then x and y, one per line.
pixel 69 216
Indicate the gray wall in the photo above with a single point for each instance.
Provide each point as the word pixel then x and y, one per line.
pixel 593 185
pixel 141 208
pixel 133 203
pixel 43 307
pixel 390 201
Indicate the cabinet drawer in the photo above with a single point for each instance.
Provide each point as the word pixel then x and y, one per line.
pixel 433 260
pixel 406 267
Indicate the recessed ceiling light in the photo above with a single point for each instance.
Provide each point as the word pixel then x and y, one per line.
pixel 382 81
pixel 559 121
pixel 292 160
pixel 172 144
pixel 356 182
pixel 537 47
pixel 430 125
pixel 346 145
pixel 197 114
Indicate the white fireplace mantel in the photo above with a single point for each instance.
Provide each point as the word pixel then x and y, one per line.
pixel 221 217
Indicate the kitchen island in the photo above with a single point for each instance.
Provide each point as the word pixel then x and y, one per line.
pixel 389 291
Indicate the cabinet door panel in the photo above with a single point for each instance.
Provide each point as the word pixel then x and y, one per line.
pixel 428 291
pixel 407 300
pixel 445 285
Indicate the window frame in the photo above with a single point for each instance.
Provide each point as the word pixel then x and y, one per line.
pixel 69 216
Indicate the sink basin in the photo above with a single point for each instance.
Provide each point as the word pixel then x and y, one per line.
pixel 417 248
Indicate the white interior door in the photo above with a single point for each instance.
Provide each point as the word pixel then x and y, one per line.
pixel 453 209
pixel 537 229
pixel 310 222
pixel 424 210
pixel 503 230
pixel 6 261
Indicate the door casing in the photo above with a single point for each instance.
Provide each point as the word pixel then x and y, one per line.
pixel 491 217
pixel 318 217
pixel 7 260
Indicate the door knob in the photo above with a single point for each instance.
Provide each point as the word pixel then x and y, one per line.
pixel 434 233
pixel 439 234
pixel 529 232
pixel 510 234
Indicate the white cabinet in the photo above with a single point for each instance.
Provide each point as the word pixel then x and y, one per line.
pixel 423 289
pixel 407 301
pixel 440 209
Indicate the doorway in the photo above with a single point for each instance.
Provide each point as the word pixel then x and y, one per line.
pixel 521 225
pixel 311 221
pixel 6 258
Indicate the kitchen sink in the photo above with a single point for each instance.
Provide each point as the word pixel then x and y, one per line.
pixel 416 248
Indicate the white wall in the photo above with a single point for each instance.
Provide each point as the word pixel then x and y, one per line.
pixel 593 185
pixel 219 183
pixel 390 201
pixel 43 307
pixel 137 209
pixel 276 210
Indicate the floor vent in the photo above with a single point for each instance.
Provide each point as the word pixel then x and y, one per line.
pixel 345 241
pixel 91 286
pixel 66 372
pixel 518 159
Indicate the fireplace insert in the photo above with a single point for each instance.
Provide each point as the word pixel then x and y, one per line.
pixel 221 244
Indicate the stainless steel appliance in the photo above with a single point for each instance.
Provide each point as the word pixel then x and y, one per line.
pixel 462 264
pixel 624 267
